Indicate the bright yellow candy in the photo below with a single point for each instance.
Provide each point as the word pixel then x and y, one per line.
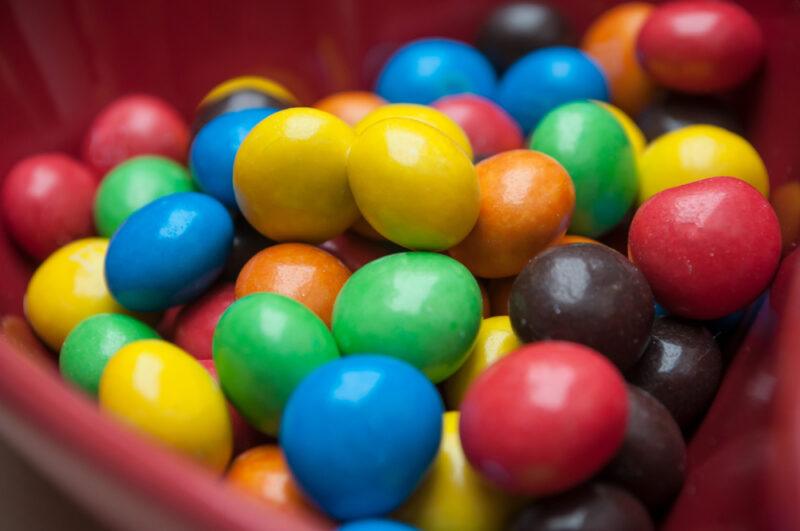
pixel 453 497
pixel 698 152
pixel 164 392
pixel 635 135
pixel 290 176
pixel 261 84
pixel 422 113
pixel 413 184
pixel 67 288
pixel 495 340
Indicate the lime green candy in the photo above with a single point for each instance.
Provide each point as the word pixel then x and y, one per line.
pixel 424 308
pixel 133 184
pixel 594 149
pixel 264 345
pixel 90 345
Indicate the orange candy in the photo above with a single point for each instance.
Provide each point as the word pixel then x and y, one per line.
pixel 302 272
pixel 350 106
pixel 526 200
pixel 569 239
pixel 611 41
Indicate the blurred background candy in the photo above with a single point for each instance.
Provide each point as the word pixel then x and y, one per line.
pixel 351 106
pixel 676 111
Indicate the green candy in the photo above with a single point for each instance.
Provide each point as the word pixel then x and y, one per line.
pixel 264 345
pixel 424 308
pixel 594 149
pixel 133 184
pixel 91 344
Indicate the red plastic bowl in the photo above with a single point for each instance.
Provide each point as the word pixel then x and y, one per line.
pixel 61 61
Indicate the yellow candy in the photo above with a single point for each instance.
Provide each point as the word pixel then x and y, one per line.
pixel 67 288
pixel 453 497
pixel 698 152
pixel 413 184
pixel 290 176
pixel 495 340
pixel 634 134
pixel 422 113
pixel 165 393
pixel 261 84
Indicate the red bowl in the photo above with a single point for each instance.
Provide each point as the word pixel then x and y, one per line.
pixel 61 63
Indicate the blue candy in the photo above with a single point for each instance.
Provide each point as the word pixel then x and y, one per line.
pixel 428 69
pixel 375 525
pixel 168 252
pixel 359 433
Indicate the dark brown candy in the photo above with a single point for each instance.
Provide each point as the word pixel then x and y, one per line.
pixel 586 293
pixel 514 30
pixel 677 111
pixel 238 100
pixel 681 367
pixel 652 460
pixel 592 507
pixel 246 243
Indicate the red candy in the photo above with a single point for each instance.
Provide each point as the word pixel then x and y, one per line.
pixel 194 325
pixel 707 248
pixel 700 46
pixel 47 202
pixel 544 418
pixel 135 125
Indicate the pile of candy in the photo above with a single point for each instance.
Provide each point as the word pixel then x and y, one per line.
pixel 373 301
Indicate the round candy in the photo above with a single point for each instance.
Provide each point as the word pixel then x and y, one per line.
pixel 569 239
pixel 195 324
pixel 46 202
pixel 423 71
pixel 611 41
pixel 594 149
pixel 489 128
pixel 240 93
pixel 168 252
pixel 264 345
pixel 67 288
pixel 302 272
pixel 579 293
pixel 413 184
pixel 700 46
pixel 435 298
pixel 513 30
pixel 135 125
pixel 495 339
pixel 707 248
pixel 699 152
pixel 214 149
pixel 247 242
pixel 351 106
pixel 375 524
pixel 161 391
pixel 632 131
pixel 297 189
pixel 526 202
pixel 359 434
pixel 547 78
pixel 676 111
pixel 264 85
pixel 133 184
pixel 90 345
pixel 544 418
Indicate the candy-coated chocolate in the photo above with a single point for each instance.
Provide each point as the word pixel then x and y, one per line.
pixel 135 125
pixel 351 106
pixel 452 495
pixel 46 202
pixel 700 46
pixel 592 507
pixel 526 202
pixel 133 184
pixel 168 252
pixel 359 434
pixel 569 239
pixel 544 418
pixel 651 463
pixel 435 298
pixel 195 324
pixel 67 288
pixel 425 70
pixel 547 78
pixel 632 131
pixel 375 524
pixel 499 292
pixel 302 272
pixel 297 189
pixel 356 251
pixel 581 293
pixel 264 345
pixel 707 248
pixel 247 242
pixel 254 83
pixel 677 111
pixel 163 392
pixel 681 367
pixel 413 184
pixel 90 345
pixel 516 29
pixel 611 41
